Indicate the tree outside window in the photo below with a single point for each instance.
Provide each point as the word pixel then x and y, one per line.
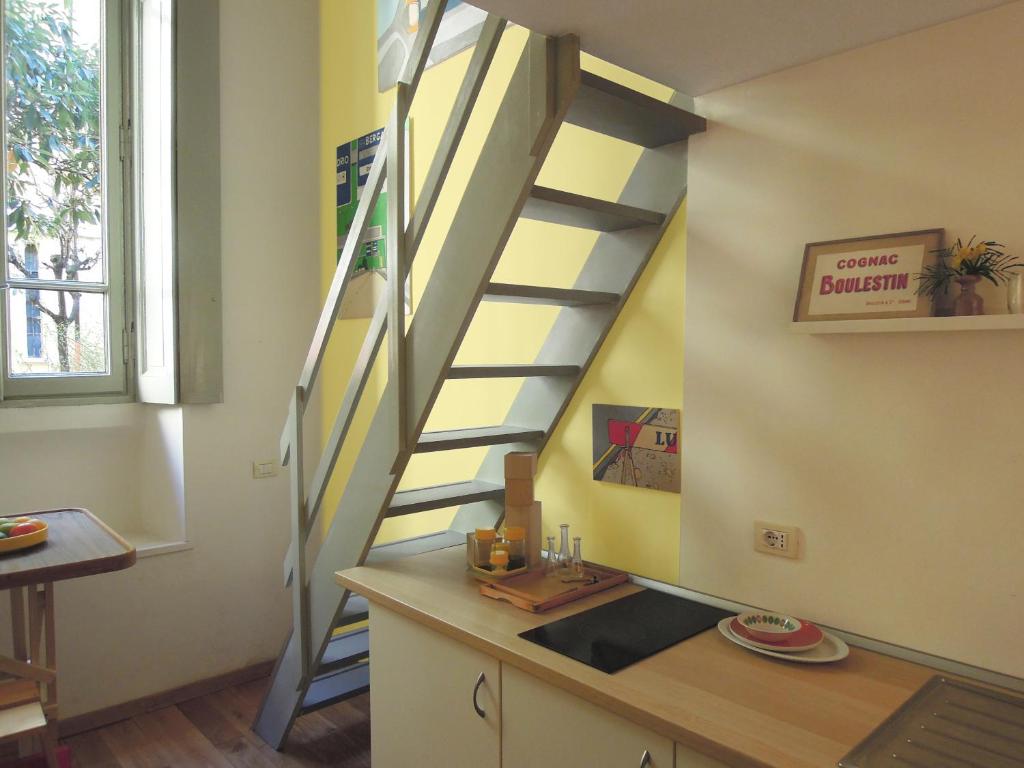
pixel 54 183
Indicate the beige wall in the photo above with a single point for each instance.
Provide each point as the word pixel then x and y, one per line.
pixel 219 606
pixel 899 455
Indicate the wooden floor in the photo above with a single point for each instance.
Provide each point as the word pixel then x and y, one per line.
pixel 214 731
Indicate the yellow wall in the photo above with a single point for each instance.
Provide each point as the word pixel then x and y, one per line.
pixel 641 364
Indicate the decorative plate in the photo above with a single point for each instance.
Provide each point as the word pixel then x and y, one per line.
pixel 807 637
pixel 768 627
pixel 830 649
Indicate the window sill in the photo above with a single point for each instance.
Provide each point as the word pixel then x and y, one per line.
pixel 149 545
pixel 63 417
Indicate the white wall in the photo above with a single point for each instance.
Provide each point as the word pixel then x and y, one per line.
pixel 176 618
pixel 899 455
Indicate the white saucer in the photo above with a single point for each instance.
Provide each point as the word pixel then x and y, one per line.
pixel 830 649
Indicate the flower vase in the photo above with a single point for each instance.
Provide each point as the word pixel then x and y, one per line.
pixel 968 302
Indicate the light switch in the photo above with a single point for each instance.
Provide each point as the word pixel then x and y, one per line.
pixel 264 469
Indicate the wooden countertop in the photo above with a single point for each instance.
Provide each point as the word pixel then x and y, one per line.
pixel 705 693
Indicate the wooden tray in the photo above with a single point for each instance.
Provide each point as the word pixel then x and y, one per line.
pixel 490 576
pixel 538 591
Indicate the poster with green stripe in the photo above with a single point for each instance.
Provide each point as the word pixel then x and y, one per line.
pixel 353 162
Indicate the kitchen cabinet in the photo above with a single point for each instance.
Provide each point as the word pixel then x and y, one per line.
pixel 687 758
pixel 543 725
pixel 434 701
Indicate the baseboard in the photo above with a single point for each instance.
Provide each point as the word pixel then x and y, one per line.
pixel 101 717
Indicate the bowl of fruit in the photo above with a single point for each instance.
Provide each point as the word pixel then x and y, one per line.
pixel 21 532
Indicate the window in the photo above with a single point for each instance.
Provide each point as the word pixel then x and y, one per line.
pixel 108 228
pixel 63 310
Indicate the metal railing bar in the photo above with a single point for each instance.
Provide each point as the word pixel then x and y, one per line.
pixel 396 266
pixel 472 82
pixel 342 422
pixel 300 534
pixel 353 393
pixel 343 272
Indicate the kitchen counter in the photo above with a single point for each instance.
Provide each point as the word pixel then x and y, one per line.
pixel 705 693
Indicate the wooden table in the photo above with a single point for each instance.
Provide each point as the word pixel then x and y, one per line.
pixel 78 545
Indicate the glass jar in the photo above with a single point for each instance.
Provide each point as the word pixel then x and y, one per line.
pixel 484 540
pixel 515 537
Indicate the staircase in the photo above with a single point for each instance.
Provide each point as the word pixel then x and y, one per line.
pixel 321 662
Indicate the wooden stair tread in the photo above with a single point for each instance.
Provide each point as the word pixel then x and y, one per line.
pixel 441 496
pixel 556 206
pixel 341 685
pixel 537 294
pixel 22 719
pixel 417 545
pixel 607 107
pixel 454 439
pixel 510 371
pixel 357 608
pixel 344 650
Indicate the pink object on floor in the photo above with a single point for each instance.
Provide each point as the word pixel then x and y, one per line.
pixel 39 761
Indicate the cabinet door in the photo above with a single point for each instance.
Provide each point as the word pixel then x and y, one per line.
pixel 423 686
pixel 545 726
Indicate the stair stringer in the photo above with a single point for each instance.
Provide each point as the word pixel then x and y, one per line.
pixel 535 102
pixel 615 263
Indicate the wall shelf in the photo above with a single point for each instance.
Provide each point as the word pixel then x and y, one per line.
pixel 908 324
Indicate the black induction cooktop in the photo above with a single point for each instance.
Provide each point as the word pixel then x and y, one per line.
pixel 624 631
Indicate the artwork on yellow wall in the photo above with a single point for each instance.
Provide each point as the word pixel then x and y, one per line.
pixel 398 22
pixel 368 283
pixel 637 446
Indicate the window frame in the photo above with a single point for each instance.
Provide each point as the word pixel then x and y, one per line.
pixel 116 170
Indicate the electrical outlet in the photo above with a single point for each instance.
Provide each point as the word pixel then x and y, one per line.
pixel 264 469
pixel 774 539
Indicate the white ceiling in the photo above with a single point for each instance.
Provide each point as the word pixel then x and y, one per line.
pixel 697 46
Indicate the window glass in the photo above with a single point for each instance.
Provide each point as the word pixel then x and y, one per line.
pixel 54 118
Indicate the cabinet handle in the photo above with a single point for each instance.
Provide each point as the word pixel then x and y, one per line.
pixel 476 690
pixel 645 759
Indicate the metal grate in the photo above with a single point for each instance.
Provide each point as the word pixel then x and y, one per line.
pixel 947 724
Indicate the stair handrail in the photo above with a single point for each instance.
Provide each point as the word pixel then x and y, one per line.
pixel 389 314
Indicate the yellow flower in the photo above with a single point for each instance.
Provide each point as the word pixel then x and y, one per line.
pixel 958 258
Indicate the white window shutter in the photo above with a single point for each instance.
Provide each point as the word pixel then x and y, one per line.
pixel 156 272
pixel 179 287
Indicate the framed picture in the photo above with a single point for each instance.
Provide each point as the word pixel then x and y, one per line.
pixel 866 277
pixel 637 446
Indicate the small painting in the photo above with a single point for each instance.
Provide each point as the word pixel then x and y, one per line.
pixel 398 21
pixel 637 446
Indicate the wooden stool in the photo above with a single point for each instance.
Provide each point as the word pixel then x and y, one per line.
pixel 22 717
pixel 78 545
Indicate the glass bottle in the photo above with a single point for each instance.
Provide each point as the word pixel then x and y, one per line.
pixel 499 562
pixel 564 557
pixel 577 557
pixel 551 559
